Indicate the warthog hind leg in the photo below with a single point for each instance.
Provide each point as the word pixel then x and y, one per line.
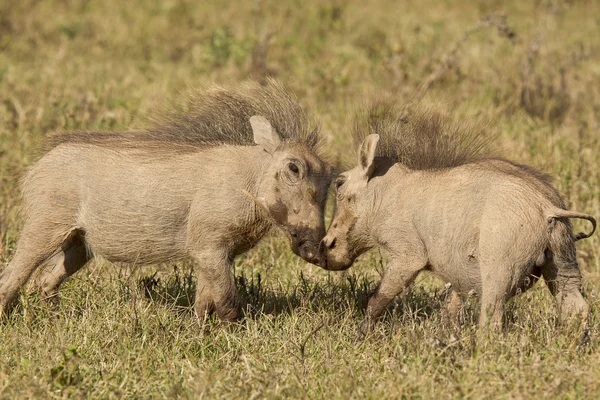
pixel 565 286
pixel 39 242
pixel 73 256
pixel 562 274
pixel 495 290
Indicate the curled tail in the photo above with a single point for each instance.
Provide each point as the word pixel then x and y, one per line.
pixel 559 213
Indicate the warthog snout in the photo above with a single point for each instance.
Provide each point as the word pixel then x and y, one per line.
pixel 326 244
pixel 305 243
pixel 308 251
pixel 331 258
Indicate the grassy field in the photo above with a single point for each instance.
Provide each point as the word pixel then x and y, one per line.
pixel 530 68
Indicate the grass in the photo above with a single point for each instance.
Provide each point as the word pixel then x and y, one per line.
pixel 530 68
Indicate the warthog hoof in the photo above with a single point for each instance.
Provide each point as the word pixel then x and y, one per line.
pixel 50 300
pixel 365 328
pixel 229 314
pixel 204 310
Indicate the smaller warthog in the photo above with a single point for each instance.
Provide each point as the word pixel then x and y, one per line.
pixel 205 182
pixel 425 192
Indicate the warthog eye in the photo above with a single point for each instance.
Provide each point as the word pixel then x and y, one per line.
pixel 293 167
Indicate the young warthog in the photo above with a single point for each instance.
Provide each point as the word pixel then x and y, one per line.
pixel 425 192
pixel 206 182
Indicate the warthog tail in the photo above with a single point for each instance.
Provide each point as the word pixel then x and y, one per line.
pixel 558 213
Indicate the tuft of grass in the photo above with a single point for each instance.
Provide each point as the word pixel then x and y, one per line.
pixel 533 71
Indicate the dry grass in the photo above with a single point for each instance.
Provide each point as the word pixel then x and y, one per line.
pixel 530 67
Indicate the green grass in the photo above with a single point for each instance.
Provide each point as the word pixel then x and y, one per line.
pixel 125 332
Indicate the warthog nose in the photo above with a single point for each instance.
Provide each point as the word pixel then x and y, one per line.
pixel 326 244
pixel 331 245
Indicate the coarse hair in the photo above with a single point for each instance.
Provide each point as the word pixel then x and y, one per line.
pixel 212 116
pixel 421 136
pixel 424 136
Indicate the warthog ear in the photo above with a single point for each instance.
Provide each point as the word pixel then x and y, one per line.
pixel 264 134
pixel 366 154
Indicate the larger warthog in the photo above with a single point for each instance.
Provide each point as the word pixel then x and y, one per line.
pixel 425 192
pixel 206 182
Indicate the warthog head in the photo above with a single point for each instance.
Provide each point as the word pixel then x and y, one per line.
pixel 293 189
pixel 345 239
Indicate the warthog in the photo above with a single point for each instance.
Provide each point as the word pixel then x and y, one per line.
pixel 425 192
pixel 206 181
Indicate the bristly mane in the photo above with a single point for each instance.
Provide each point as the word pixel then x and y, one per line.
pixel 213 116
pixel 421 137
pixel 424 137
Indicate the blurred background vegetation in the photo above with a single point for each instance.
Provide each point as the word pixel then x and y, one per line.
pixel 529 68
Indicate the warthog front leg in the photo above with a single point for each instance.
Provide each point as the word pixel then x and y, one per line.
pixel 204 303
pixel 453 306
pixel 215 290
pixel 399 275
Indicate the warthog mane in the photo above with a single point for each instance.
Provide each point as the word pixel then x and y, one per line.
pixel 421 137
pixel 425 137
pixel 211 116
